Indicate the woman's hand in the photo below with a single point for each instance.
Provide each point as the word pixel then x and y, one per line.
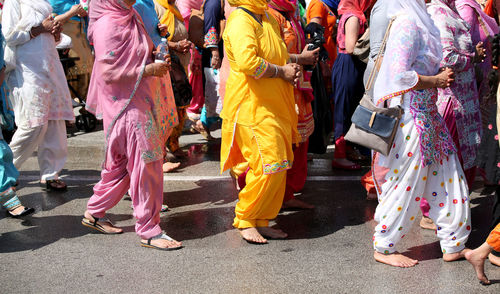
pixel 445 78
pixel 290 73
pixel 184 46
pixel 77 10
pixel 163 29
pixel 309 57
pixel 480 55
pixel 47 25
pixel 215 62
pixel 157 69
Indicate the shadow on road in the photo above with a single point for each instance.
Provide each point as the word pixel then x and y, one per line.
pixel 42 231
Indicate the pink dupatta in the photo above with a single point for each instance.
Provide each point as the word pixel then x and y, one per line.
pixel 122 50
pixel 122 47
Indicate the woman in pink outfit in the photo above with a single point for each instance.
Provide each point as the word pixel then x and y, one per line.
pixel 128 91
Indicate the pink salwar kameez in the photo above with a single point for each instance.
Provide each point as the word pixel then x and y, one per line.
pixel 138 114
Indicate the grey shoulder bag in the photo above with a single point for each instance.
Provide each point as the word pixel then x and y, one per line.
pixel 375 127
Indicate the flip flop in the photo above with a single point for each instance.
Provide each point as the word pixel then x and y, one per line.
pixel 161 236
pixel 49 186
pixel 94 225
pixel 25 212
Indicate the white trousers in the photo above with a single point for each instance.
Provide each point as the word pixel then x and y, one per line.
pixel 213 102
pixel 442 184
pixel 51 144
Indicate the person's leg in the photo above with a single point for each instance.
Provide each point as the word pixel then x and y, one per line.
pixel 8 178
pixel 262 197
pixel 368 183
pixel 296 178
pixel 401 188
pixel 426 222
pixel 53 150
pixel 344 83
pixel 494 257
pixel 209 113
pixel 196 81
pixel 448 196
pixel 25 141
pixel 395 215
pixel 173 139
pixel 477 256
pixel 115 180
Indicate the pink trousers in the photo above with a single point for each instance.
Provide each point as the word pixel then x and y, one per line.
pixel 196 81
pixel 124 170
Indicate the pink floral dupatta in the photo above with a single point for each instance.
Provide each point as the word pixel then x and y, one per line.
pixel 122 47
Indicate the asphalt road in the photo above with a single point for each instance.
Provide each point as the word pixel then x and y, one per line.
pixel 328 249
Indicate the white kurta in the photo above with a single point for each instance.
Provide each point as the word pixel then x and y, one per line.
pixel 38 86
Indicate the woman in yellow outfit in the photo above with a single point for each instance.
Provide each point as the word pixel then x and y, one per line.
pixel 259 118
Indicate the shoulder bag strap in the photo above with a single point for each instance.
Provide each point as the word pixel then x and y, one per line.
pixel 378 62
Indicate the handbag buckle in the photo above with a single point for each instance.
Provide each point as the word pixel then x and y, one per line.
pixel 372 119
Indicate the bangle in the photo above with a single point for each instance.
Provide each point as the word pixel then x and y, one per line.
pixel 154 71
pixel 275 71
pixel 297 59
pixel 31 34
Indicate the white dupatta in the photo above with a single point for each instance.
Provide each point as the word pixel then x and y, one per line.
pixel 390 83
pixel 28 18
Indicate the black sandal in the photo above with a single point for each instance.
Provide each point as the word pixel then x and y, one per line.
pixel 52 185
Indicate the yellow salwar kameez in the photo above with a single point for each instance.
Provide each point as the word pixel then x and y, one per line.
pixel 259 117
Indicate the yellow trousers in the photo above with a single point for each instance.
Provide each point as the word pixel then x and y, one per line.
pixel 262 197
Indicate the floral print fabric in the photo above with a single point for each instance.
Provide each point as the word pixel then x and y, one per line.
pixel 462 96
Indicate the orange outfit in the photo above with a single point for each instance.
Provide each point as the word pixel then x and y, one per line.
pixel 329 22
pixel 494 238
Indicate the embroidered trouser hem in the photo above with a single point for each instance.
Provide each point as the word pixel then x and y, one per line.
pixel 262 197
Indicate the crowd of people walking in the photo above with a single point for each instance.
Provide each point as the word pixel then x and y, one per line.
pixel 281 78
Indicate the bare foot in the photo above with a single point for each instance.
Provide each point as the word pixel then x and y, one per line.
pixel 251 235
pixel 170 166
pixel 163 243
pixel 427 223
pixel 495 260
pixel 106 226
pixel 272 233
pixel 395 259
pixel 296 203
pixel 448 257
pixel 477 257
